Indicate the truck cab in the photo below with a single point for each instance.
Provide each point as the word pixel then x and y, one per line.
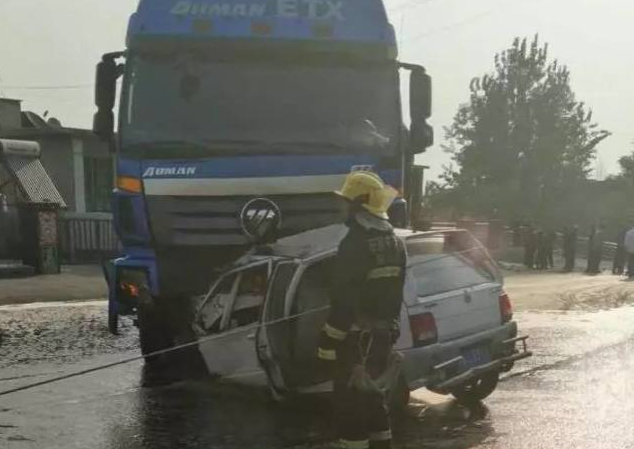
pixel 236 122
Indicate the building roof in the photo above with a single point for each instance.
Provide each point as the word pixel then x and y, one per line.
pixel 35 126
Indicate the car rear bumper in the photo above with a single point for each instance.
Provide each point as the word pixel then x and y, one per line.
pixel 442 367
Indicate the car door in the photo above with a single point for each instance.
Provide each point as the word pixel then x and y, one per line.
pixel 233 312
pixel 289 348
pixel 274 337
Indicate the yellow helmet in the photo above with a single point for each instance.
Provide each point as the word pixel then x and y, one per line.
pixel 378 195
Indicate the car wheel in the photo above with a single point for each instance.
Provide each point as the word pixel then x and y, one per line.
pixel 477 389
pixel 399 395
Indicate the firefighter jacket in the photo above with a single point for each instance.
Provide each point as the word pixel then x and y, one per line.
pixel 368 285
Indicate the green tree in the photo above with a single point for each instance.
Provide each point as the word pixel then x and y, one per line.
pixel 523 141
pixel 626 176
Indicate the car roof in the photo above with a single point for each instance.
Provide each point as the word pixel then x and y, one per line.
pixel 312 244
pixel 321 240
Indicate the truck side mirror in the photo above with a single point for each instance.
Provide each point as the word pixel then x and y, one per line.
pixel 105 92
pixel 103 124
pixel 420 91
pixel 421 136
pixel 420 95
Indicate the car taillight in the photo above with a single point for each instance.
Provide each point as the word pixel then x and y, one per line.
pixel 506 308
pixel 424 331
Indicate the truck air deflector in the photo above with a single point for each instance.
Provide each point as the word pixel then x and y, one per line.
pixel 339 20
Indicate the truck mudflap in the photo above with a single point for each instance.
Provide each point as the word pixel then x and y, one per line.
pixel 500 365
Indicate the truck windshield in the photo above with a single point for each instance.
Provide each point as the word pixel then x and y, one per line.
pixel 255 106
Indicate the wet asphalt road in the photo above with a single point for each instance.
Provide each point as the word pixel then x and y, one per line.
pixel 575 393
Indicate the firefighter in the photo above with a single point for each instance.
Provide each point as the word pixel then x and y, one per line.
pixel 362 326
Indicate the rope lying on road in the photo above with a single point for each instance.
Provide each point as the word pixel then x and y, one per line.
pixel 229 333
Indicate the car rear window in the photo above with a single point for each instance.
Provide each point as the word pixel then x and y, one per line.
pixel 446 261
pixel 435 274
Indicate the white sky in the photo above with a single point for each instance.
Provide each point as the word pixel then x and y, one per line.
pixel 49 43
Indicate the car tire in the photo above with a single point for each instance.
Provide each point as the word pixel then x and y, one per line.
pixel 399 395
pixel 477 389
pixel 154 334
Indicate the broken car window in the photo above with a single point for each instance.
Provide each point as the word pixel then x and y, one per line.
pixel 250 297
pixel 214 309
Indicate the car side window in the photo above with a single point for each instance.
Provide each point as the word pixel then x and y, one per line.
pixel 214 309
pixel 313 290
pixel 249 300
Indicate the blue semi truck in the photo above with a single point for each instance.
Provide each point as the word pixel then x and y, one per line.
pixel 236 121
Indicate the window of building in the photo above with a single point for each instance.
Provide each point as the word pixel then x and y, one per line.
pixel 98 178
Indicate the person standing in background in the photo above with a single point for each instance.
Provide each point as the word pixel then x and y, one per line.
pixel 517 234
pixel 530 246
pixel 629 249
pixel 551 237
pixel 618 265
pixel 596 250
pixel 570 247
pixel 590 255
pixel 542 257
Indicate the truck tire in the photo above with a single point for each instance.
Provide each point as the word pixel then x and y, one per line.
pixel 478 389
pixel 154 334
pixel 113 322
pixel 398 397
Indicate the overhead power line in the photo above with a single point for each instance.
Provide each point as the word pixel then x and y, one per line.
pixel 51 87
pixel 408 4
pixel 468 20
pixel 473 18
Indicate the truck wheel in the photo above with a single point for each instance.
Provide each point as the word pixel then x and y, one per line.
pixel 477 389
pixel 113 322
pixel 399 395
pixel 154 335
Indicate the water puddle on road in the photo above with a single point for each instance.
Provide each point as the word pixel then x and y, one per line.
pixel 131 407
pixel 558 336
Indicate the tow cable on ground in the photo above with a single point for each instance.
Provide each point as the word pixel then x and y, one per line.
pixel 158 353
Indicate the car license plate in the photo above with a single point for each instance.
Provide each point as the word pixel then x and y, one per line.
pixel 476 356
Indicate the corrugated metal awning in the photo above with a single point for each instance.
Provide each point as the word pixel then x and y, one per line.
pixel 22 160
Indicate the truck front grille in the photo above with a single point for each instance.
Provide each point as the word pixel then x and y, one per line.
pixel 215 221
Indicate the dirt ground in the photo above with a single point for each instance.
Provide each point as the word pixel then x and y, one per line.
pixel 567 291
pixel 529 290
pixel 76 282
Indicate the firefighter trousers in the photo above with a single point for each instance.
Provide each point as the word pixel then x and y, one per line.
pixel 361 414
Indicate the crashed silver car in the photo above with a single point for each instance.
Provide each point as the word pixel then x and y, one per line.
pixel 260 322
